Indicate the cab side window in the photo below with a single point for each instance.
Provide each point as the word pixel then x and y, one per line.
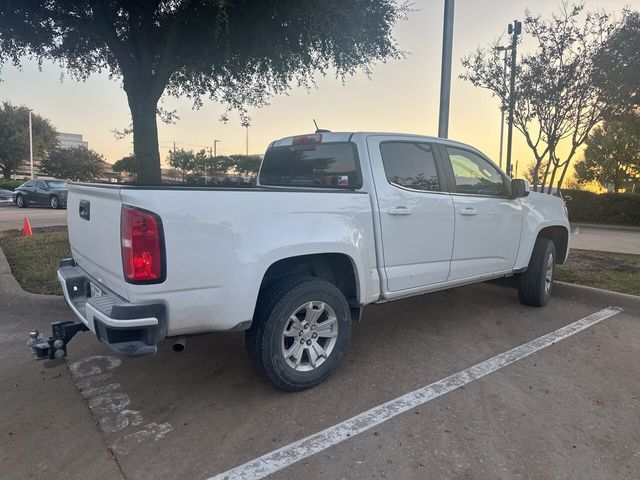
pixel 410 165
pixel 474 175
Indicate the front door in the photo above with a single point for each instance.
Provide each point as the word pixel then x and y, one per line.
pixel 488 223
pixel 416 216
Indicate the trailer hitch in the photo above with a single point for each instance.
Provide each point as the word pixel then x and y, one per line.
pixel 56 345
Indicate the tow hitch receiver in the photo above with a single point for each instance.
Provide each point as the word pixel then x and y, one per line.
pixel 56 345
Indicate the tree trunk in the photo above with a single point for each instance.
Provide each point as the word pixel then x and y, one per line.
pixel 6 173
pixel 145 136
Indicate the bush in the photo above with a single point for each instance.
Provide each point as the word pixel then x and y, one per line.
pixel 9 184
pixel 603 208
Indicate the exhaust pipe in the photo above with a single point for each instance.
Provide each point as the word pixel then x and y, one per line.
pixel 179 344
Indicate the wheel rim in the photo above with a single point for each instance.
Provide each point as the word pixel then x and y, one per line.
pixel 309 336
pixel 19 201
pixel 548 277
pixel 54 202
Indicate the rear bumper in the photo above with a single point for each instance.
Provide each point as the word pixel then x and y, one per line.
pixel 128 329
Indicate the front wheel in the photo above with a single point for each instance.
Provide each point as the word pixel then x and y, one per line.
pixel 300 332
pixel 54 202
pixel 535 285
pixel 21 202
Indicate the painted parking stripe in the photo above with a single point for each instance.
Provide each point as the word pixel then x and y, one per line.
pixel 301 449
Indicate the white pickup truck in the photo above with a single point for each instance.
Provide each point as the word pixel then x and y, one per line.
pixel 337 221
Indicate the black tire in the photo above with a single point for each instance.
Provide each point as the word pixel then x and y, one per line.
pixel 265 341
pixel 21 202
pixel 54 202
pixel 535 285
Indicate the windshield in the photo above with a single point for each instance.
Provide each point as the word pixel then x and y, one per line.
pixel 56 183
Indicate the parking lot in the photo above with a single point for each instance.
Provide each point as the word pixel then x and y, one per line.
pixel 11 217
pixel 569 410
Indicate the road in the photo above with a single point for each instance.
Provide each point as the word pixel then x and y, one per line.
pixel 606 240
pixel 569 410
pixel 11 217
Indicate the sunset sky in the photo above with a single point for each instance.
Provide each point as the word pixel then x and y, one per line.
pixel 401 96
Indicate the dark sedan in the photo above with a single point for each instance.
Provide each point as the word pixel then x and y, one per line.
pixel 41 192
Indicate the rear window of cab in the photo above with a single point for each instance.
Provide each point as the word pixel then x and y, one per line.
pixel 322 165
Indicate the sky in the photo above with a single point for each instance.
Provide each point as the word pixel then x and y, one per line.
pixel 400 96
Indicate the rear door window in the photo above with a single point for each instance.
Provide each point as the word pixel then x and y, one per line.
pixel 325 165
pixel 410 165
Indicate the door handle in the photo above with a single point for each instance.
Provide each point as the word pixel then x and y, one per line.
pixel 468 211
pixel 399 211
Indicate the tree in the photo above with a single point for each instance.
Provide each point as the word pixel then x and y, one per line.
pixel 126 165
pixel 617 64
pixel 246 164
pixel 14 137
pixel 612 155
pixel 557 101
pixel 78 164
pixel 235 52
pixel 182 160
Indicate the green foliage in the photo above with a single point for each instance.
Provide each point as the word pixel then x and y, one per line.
pixel 238 53
pixel 78 164
pixel 604 208
pixel 14 136
pixel 246 164
pixel 182 160
pixel 618 64
pixel 126 165
pixel 9 184
pixel 612 155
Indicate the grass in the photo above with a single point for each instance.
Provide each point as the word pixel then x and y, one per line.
pixel 34 260
pixel 618 272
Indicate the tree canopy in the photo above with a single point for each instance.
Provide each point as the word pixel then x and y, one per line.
pixel 234 52
pixel 557 101
pixel 612 156
pixel 618 64
pixel 77 163
pixel 14 137
pixel 127 166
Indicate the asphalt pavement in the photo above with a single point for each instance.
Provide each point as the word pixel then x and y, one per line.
pixel 569 410
pixel 11 217
pixel 606 239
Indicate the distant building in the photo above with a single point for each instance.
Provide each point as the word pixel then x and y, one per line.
pixel 71 140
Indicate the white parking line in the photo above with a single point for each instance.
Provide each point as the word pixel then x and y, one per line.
pixel 301 449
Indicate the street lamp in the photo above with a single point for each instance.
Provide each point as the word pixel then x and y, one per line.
pixel 215 144
pixel 514 30
pixel 502 107
pixel 246 124
pixel 31 143
pixel 445 73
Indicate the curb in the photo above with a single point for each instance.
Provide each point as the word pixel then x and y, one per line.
pixel 629 303
pixel 600 226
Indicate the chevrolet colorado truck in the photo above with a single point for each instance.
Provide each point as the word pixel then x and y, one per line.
pixel 337 221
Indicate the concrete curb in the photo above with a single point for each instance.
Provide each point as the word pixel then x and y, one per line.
pixel 629 303
pixel 607 227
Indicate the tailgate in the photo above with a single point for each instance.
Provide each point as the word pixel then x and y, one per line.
pixel 93 217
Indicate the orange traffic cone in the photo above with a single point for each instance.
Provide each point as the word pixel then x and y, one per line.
pixel 26 228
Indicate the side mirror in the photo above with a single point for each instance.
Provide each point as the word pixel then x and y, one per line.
pixel 519 188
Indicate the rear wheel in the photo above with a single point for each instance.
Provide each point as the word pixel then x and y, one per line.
pixel 21 202
pixel 535 285
pixel 300 332
pixel 54 202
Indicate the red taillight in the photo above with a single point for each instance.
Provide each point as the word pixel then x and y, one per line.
pixel 314 139
pixel 142 253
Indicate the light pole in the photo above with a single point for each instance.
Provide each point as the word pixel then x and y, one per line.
pixel 445 73
pixel 502 107
pixel 31 143
pixel 246 125
pixel 215 150
pixel 514 30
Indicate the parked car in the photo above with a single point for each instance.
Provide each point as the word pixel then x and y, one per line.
pixel 338 221
pixel 6 196
pixel 41 192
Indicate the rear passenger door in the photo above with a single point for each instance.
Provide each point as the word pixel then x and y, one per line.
pixel 488 223
pixel 416 214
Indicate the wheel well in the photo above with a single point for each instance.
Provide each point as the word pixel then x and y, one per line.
pixel 560 238
pixel 335 268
